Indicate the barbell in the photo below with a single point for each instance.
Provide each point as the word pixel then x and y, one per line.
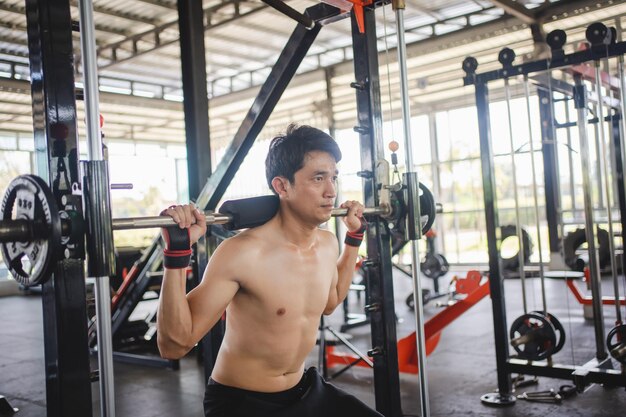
pixel 32 228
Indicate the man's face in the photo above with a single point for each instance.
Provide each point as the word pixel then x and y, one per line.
pixel 313 191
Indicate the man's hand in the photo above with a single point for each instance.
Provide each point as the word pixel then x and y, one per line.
pixel 354 219
pixel 188 217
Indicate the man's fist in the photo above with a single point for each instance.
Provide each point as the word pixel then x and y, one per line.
pixel 178 239
pixel 354 219
pixel 187 217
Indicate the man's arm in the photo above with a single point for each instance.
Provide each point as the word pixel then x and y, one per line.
pixel 183 319
pixel 347 261
pixel 341 283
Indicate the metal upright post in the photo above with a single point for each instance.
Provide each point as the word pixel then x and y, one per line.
pixel 550 169
pixel 618 143
pixel 415 228
pixel 496 284
pixel 378 268
pixel 97 203
pixel 68 385
pixel 197 133
pixel 580 99
pixel 195 99
pixel 619 135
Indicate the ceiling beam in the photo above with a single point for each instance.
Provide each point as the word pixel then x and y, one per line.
pixel 516 9
pixel 426 11
pixel 22 86
pixel 159 3
pixel 4 53
pixel 21 10
pixel 150 40
pixel 118 14
pixel 13 40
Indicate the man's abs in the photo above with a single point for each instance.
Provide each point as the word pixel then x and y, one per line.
pixel 258 372
pixel 265 353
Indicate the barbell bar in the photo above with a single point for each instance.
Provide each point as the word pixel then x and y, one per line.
pixel 231 214
pixel 32 227
pixel 24 230
pixel 222 218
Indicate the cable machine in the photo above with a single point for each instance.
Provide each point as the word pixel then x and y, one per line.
pixel 537 336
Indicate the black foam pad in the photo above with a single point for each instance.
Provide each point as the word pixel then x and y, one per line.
pixel 250 212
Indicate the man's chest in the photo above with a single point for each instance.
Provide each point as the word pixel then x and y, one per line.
pixel 293 285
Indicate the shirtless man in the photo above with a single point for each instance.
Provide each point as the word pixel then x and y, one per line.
pixel 274 281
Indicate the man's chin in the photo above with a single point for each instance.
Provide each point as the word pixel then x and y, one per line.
pixel 325 218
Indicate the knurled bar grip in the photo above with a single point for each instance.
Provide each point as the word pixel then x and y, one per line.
pixel 216 218
pixel 164 221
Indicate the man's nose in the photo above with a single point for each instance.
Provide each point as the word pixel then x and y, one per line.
pixel 330 190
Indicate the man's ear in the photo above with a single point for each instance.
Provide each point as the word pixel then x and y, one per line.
pixel 280 185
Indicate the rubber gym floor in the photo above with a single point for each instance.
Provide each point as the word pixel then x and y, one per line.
pixel 460 370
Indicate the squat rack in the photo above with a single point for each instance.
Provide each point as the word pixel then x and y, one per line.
pixel 68 373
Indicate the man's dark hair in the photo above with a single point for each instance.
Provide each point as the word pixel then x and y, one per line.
pixel 287 151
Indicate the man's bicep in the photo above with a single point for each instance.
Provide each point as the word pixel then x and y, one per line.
pixel 333 296
pixel 210 298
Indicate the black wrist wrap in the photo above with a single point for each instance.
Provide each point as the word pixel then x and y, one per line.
pixel 355 238
pixel 177 252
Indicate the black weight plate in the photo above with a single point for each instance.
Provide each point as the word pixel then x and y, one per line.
pixel 533 337
pixel 434 265
pixel 615 339
pixel 558 327
pixel 428 207
pixel 29 198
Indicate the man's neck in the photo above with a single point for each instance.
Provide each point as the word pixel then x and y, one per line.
pixel 295 231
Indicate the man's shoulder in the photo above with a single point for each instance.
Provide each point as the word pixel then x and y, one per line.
pixel 327 235
pixel 329 239
pixel 240 240
pixel 248 241
pixel 235 254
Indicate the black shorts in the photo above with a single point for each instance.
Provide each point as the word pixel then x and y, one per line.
pixel 311 397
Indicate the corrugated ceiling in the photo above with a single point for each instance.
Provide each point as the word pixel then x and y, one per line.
pixel 138 55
